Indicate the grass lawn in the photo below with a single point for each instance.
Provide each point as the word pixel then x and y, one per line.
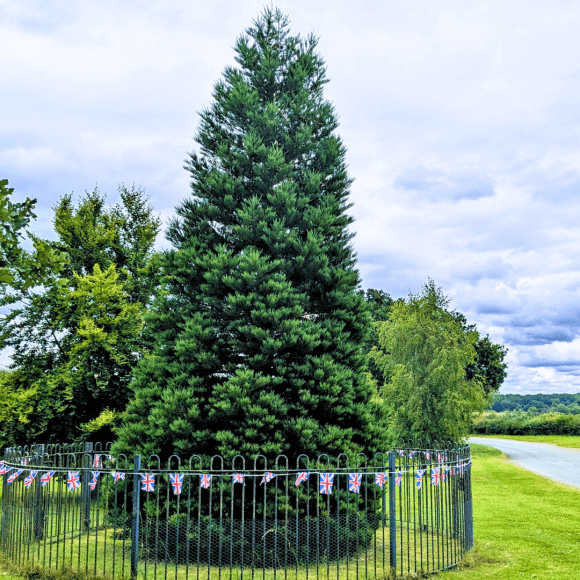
pixel 526 526
pixel 559 440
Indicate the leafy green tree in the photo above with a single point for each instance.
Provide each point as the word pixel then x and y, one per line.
pixel 489 368
pixel 77 337
pixel 20 268
pixel 260 325
pixel 424 350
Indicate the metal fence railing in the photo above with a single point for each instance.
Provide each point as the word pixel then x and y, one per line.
pixel 404 511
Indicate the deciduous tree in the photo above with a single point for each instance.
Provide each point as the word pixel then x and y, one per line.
pixel 424 350
pixel 77 336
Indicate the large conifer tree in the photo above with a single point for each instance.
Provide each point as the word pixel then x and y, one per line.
pixel 260 327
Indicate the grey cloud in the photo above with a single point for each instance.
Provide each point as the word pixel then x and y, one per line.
pixel 568 367
pixel 555 184
pixel 491 308
pixel 493 268
pixel 437 185
pixel 540 334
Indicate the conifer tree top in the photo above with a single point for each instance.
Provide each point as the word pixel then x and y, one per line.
pixel 260 331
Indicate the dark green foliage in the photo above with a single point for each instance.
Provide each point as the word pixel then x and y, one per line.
pixel 489 367
pixel 517 423
pixel 260 326
pixel 540 403
pixel 77 337
pixel 379 304
pixel 263 543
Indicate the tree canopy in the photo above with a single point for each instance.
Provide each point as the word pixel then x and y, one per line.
pixel 424 351
pixel 488 368
pixel 78 334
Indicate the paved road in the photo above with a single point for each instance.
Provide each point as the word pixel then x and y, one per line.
pixel 558 463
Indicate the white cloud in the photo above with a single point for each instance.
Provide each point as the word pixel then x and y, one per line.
pixel 460 122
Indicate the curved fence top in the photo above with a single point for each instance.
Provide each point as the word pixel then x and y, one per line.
pixel 87 455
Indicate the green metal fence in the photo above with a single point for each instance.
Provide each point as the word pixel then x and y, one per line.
pixel 404 511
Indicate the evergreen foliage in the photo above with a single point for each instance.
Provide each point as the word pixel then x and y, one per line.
pixel 260 325
pixel 78 335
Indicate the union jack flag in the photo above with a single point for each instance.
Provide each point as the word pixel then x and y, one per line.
pixel 381 479
pixel 148 482
pixel 419 477
pixel 326 481
pixel 412 454
pixel 427 456
pixel 435 476
pixel 118 476
pixel 268 476
pixel 14 476
pixel 97 462
pixel 445 456
pixel 401 452
pixel 29 479
pixel 45 479
pixel 73 480
pixel 205 480
pixel 354 482
pixel 439 457
pixel 93 482
pixel 444 473
pixel 176 482
pixel 399 478
pixel 239 478
pixel 302 476
pixel 4 469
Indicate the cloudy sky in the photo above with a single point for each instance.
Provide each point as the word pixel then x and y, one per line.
pixel 461 121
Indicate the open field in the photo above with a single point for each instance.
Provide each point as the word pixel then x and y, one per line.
pixel 526 526
pixel 559 440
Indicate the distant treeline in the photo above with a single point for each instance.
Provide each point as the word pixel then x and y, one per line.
pixel 537 404
pixel 517 423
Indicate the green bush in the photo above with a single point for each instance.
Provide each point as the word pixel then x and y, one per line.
pixel 519 423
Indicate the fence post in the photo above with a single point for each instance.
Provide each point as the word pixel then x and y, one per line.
pixel 85 478
pixel 38 512
pixel 392 514
pixel 135 517
pixel 468 506
pixel 5 507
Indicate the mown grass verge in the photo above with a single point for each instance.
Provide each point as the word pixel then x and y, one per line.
pixel 569 441
pixel 526 526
